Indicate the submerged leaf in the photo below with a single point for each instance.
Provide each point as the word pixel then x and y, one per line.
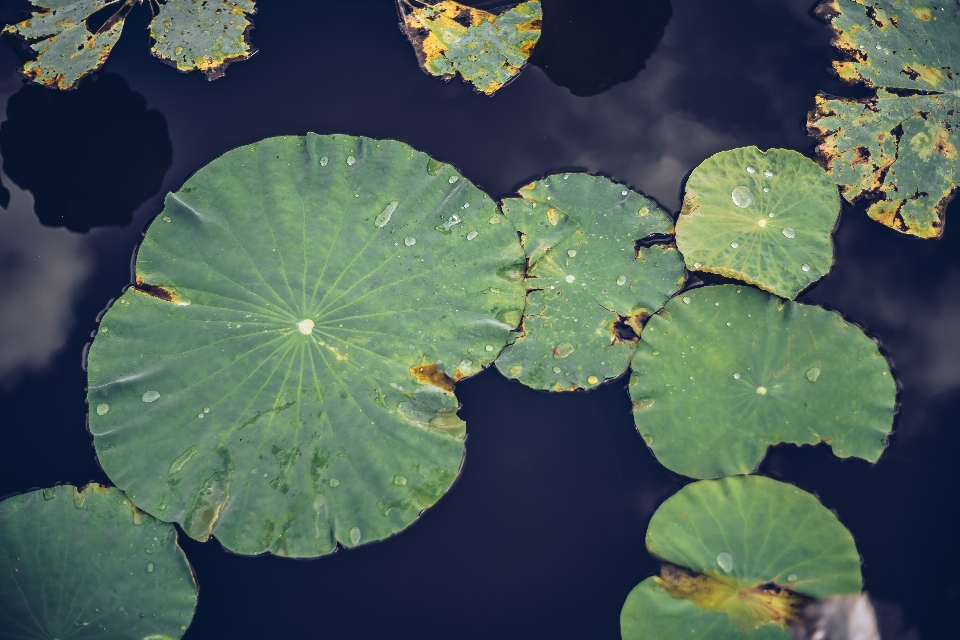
pixel 66 49
pixel 723 372
pixel 764 218
pixel 290 350
pixel 205 36
pixel 487 50
pixel 591 288
pixel 742 556
pixel 88 564
pixel 897 150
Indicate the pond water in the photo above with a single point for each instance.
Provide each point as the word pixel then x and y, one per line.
pixel 542 535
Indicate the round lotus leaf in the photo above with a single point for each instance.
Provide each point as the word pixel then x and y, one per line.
pixel 282 374
pixel 742 556
pixel 88 564
pixel 591 287
pixel 723 372
pixel 761 217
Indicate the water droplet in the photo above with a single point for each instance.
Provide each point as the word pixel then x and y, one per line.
pixel 409 241
pixel 768 174
pixel 305 326
pixel 494 219
pixel 386 214
pixel 697 265
pixel 466 205
pixel 734 245
pixel 472 235
pixel 766 189
pixel 334 482
pixel 686 299
pixel 572 253
pixel 556 369
pixel 742 196
pixel 761 222
pixel 813 373
pixel 399 480
pixel 206 409
pixel 102 409
pixel 167 219
pixel 879 47
pixel 453 179
pixel 593 380
pixel 728 324
pixel 805 267
pixel 150 396
pixel 624 192
pixel 562 350
pixel 789 233
pixel 622 280
pixel 792 577
pixel 324 160
pixel 489 347
pixel 771 214
pixel 149 567
pixel 570 278
pixel 736 376
pixel 725 561
pixel 355 535
pixel 751 170
pixel 351 160
pixel 648 439
pixel 762 391
pixel 716 304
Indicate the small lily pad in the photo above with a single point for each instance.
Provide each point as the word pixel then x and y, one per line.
pixel 66 49
pixel 303 308
pixel 764 218
pixel 897 150
pixel 742 555
pixel 88 564
pixel 723 372
pixel 487 50
pixel 591 287
pixel 207 35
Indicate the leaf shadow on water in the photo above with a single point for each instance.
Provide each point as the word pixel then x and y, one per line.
pixel 90 156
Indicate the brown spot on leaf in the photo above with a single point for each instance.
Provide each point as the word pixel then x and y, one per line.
pixel 167 294
pixel 429 374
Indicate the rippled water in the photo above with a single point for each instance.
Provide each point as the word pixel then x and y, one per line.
pixel 542 535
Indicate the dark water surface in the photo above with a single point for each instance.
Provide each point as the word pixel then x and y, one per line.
pixel 542 535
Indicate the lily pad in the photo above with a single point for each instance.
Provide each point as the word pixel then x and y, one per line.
pixel 66 49
pixel 742 556
pixel 487 50
pixel 282 374
pixel 88 564
pixel 207 35
pixel 591 286
pixel 897 150
pixel 764 218
pixel 723 372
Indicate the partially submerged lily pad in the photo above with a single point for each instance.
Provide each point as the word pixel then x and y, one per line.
pixel 487 50
pixel 66 49
pixel 897 150
pixel 207 35
pixel 88 564
pixel 741 556
pixel 282 375
pixel 723 372
pixel 764 218
pixel 591 286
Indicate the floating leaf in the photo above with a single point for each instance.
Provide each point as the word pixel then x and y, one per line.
pixel 591 287
pixel 88 564
pixel 66 49
pixel 897 150
pixel 764 218
pixel 742 554
pixel 282 375
pixel 206 35
pixel 723 372
pixel 487 50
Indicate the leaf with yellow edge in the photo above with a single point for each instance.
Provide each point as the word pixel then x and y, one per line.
pixel 487 50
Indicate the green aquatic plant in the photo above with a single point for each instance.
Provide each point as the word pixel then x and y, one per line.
pixel 86 563
pixel 896 150
pixel 282 374
pixel 487 50
pixel 761 217
pixel 741 556
pixel 591 286
pixel 190 35
pixel 725 371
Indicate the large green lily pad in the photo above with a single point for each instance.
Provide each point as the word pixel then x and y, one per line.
pixel 282 377
pixel 591 287
pixel 897 150
pixel 743 555
pixel 205 35
pixel 88 564
pixel 764 218
pixel 487 50
pixel 66 49
pixel 723 372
